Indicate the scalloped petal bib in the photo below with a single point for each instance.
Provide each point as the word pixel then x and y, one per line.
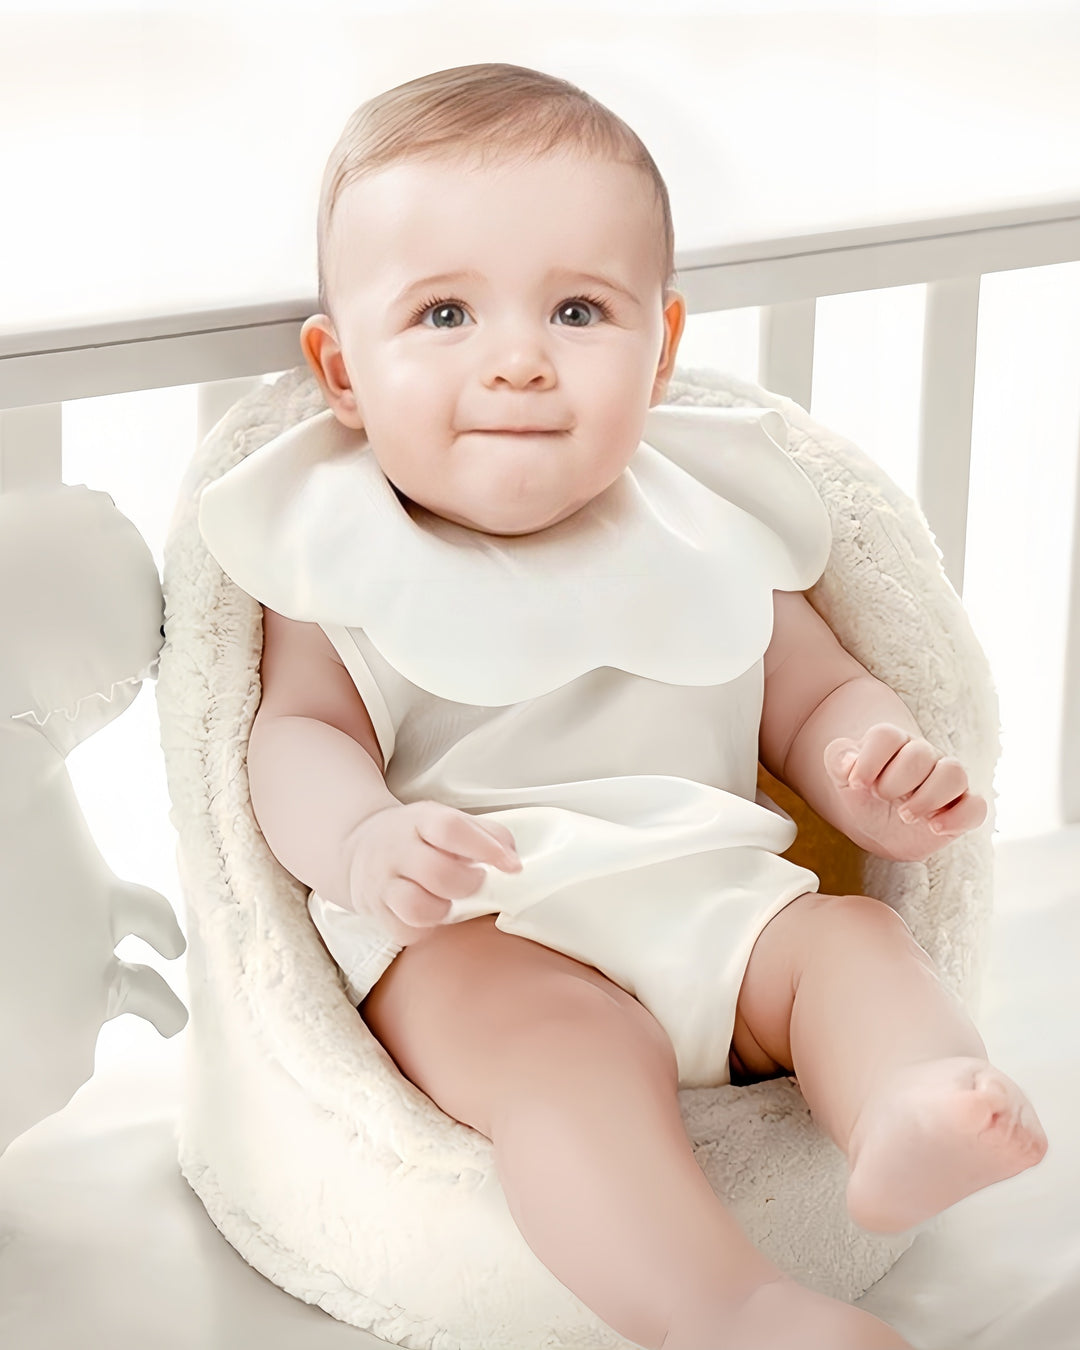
pixel 667 574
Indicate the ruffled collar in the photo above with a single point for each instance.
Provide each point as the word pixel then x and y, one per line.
pixel 667 574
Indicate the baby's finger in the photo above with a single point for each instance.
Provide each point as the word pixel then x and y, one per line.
pixel 879 745
pixel 839 756
pixel 448 828
pixel 413 906
pixel 501 833
pixel 440 873
pixel 908 769
pixel 966 814
pixel 945 783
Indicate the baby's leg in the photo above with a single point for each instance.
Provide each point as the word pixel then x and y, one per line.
pixel 838 990
pixel 575 1083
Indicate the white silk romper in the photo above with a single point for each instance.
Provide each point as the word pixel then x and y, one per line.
pixel 596 687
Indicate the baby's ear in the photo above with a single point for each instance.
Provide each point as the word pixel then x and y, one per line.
pixel 322 351
pixel 674 323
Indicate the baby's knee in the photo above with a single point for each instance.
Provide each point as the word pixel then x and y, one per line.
pixel 552 1055
pixel 477 1021
pixel 845 923
pixel 587 1024
pixel 849 912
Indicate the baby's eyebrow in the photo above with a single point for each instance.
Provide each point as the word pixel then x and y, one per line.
pixel 471 274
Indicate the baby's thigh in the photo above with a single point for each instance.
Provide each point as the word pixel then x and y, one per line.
pixel 468 1010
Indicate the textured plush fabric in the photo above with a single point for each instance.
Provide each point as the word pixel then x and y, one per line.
pixel 327 1170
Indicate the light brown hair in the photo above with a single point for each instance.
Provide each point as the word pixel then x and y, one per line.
pixel 488 110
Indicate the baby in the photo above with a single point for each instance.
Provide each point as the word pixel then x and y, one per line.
pixel 482 520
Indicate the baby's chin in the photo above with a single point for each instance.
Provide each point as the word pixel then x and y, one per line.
pixel 500 519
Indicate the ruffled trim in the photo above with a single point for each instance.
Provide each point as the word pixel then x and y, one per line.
pixel 75 711
pixel 668 574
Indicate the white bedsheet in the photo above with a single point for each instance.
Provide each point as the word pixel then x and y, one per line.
pixel 102 1243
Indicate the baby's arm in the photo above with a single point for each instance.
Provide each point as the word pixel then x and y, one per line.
pixel 314 765
pixel 819 703
pixel 317 786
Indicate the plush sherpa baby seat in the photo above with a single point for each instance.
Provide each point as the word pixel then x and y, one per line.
pixel 320 1163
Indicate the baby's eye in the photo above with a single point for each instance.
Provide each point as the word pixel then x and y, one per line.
pixel 441 310
pixel 577 303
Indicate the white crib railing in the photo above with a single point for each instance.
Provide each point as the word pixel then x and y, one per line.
pixel 225 351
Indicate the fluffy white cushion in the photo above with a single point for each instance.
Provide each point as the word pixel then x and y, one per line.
pixel 331 1173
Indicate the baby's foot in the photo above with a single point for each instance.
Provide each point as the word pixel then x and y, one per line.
pixel 934 1133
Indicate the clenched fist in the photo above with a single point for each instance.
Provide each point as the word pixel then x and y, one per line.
pixel 408 862
pixel 903 793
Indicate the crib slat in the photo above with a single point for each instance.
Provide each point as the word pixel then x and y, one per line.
pixel 30 447
pixel 948 395
pixel 216 398
pixel 786 349
pixel 1070 714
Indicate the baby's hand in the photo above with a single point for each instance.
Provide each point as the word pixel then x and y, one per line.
pixel 902 793
pixel 411 860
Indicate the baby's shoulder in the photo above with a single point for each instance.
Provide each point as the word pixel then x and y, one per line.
pixel 287 641
pixel 303 676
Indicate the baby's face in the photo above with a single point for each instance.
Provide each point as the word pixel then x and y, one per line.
pixel 501 332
